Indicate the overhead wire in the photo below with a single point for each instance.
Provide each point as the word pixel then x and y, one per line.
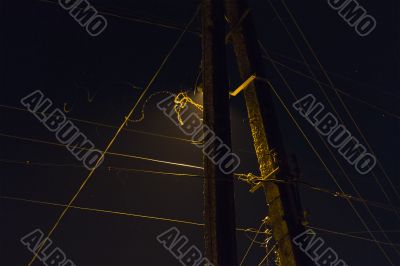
pixel 268 254
pixel 351 236
pixel 335 194
pixel 164 61
pixel 136 19
pixel 198 33
pixel 333 107
pixel 109 168
pixel 324 164
pixel 29 163
pixel 341 101
pixel 343 77
pixel 119 213
pixel 300 73
pixel 251 244
pixel 165 219
pixel 107 152
pixel 94 123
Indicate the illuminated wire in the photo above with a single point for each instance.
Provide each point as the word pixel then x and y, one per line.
pixel 156 218
pixel 342 195
pixel 115 136
pixel 111 126
pixel 137 19
pixel 344 106
pixel 107 152
pixel 324 164
pixel 101 124
pixel 198 33
pixel 141 118
pixel 109 168
pixel 363 232
pixel 336 112
pixel 352 236
pixel 181 101
pixel 266 256
pixel 335 74
pixel 298 72
pixel 29 163
pixel 251 244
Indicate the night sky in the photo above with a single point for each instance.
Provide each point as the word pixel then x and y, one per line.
pixel 98 79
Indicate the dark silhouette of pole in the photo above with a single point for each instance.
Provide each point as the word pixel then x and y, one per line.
pixel 219 207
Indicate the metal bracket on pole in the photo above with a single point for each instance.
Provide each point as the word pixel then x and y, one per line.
pixel 243 86
pixel 256 181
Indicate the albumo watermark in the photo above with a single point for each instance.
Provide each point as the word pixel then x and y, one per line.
pixel 201 135
pixel 65 131
pixel 177 244
pixel 49 254
pixel 314 248
pixel 86 15
pixel 336 134
pixel 355 15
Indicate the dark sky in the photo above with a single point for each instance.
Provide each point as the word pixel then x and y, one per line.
pixel 44 48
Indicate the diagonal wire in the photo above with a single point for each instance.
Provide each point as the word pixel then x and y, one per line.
pixel 116 135
pixel 137 19
pixel 300 73
pixel 94 123
pixel 342 103
pixel 351 236
pixel 251 244
pixel 119 213
pixel 343 77
pixel 332 106
pixel 107 152
pixel 158 218
pixel 266 256
pixel 324 164
pixel 109 168
pixel 334 194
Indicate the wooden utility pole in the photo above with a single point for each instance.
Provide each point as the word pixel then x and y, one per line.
pixel 219 207
pixel 284 212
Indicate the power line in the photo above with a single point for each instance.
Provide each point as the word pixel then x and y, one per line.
pixel 137 19
pixel 327 191
pixel 324 164
pixel 158 218
pixel 119 213
pixel 28 163
pixel 198 33
pixel 333 73
pixel 266 256
pixel 108 152
pixel 333 107
pixel 363 232
pixel 352 236
pixel 116 134
pixel 109 168
pixel 348 113
pixel 298 72
pixel 341 101
pixel 94 123
pixel 337 162
pixel 251 244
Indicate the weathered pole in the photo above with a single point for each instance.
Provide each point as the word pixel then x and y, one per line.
pixel 284 211
pixel 219 207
